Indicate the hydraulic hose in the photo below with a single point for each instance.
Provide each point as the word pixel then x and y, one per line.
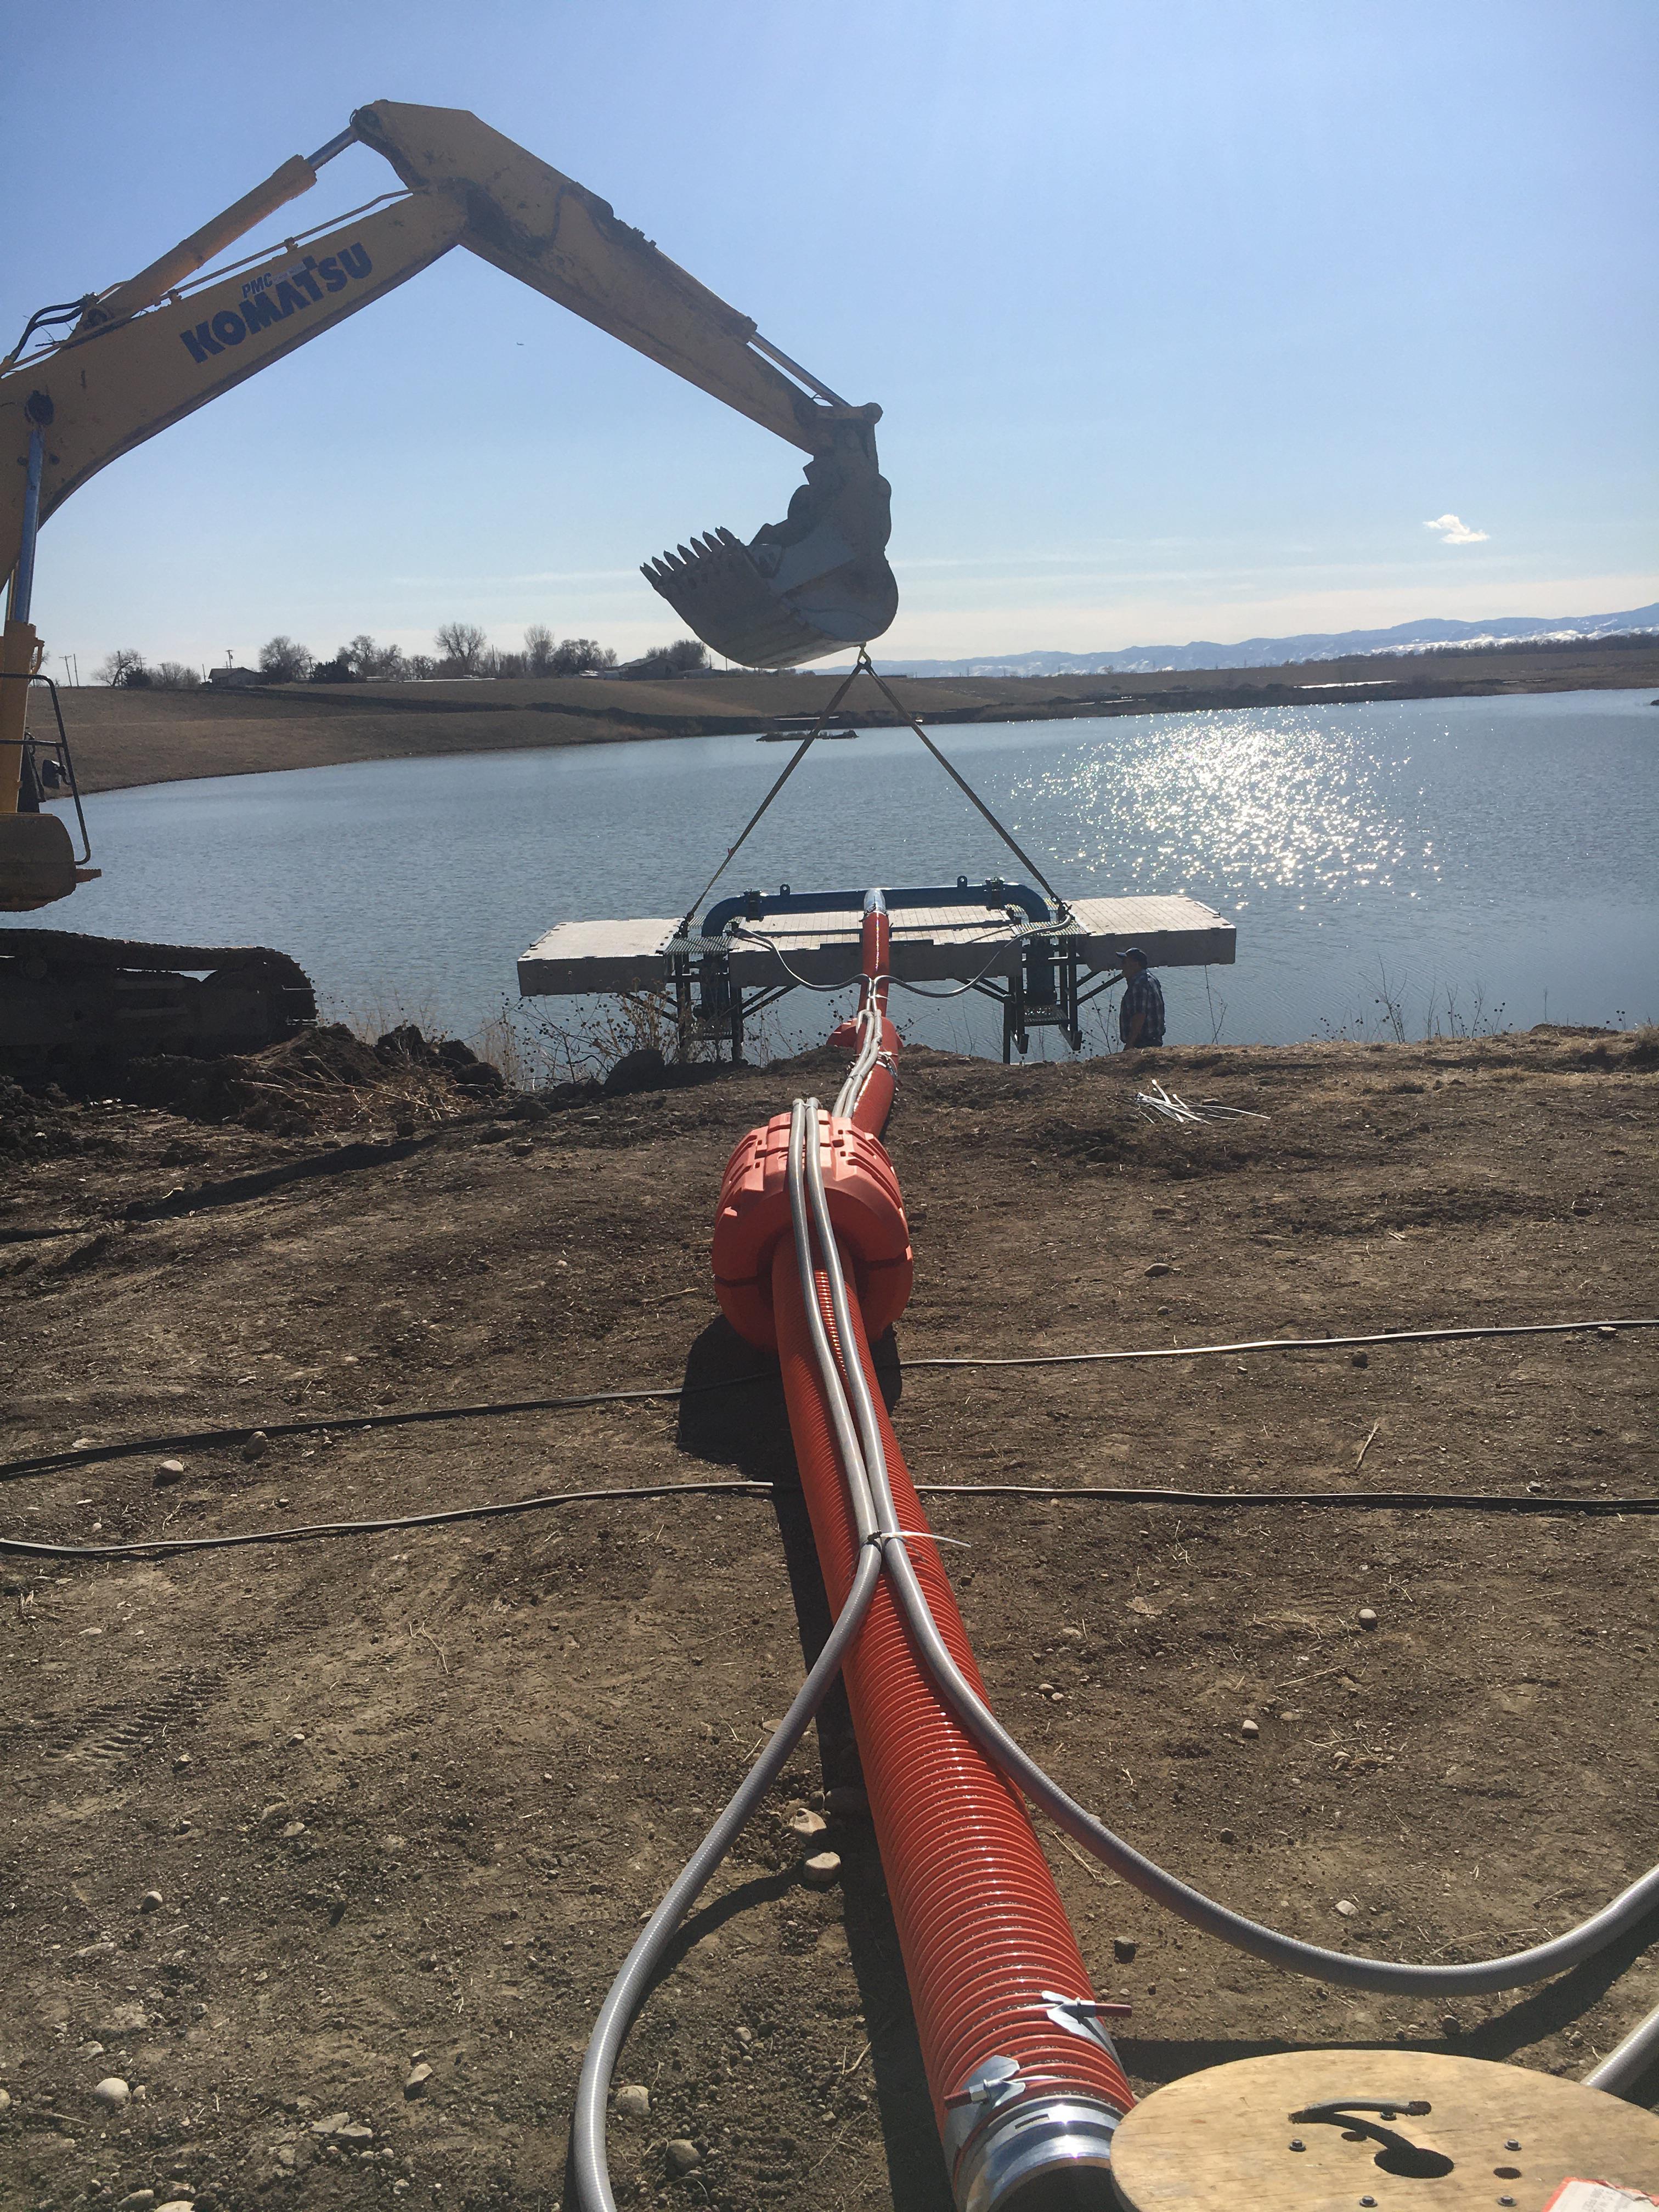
pixel 1025 2083
pixel 1000 2118
pixel 1313 1960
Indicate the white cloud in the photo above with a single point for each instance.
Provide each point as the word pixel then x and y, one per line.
pixel 1455 532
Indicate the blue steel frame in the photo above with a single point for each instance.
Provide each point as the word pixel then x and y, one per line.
pixel 1042 994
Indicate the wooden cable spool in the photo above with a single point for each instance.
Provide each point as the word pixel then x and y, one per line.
pixel 1301 2132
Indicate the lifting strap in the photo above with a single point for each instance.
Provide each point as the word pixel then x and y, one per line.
pixel 865 667
pixel 961 781
pixel 794 762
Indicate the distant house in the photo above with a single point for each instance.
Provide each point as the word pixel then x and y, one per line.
pixel 235 679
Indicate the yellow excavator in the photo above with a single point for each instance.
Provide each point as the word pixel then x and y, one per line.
pixel 91 377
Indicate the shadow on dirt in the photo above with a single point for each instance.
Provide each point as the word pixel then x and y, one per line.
pixel 748 1429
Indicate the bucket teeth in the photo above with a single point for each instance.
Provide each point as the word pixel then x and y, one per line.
pixel 818 583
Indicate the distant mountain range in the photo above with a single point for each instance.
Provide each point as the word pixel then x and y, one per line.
pixel 1273 652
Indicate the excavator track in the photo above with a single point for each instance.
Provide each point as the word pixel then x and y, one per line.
pixel 71 1004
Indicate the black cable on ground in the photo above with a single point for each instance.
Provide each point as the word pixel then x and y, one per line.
pixel 198 1439
pixel 1384 1500
pixel 1282 1344
pixel 13 1470
pixel 150 1548
pixel 1391 1501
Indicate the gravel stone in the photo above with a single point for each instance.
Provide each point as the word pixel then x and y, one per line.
pixel 809 1824
pixel 168 1472
pixel 632 2101
pixel 1367 1617
pixel 112 2093
pixel 681 2156
pixel 257 1445
pixel 1124 1948
pixel 821 1869
pixel 1249 1728
pixel 151 1901
pixel 1347 1907
pixel 414 2086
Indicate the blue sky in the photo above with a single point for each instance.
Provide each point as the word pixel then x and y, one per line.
pixel 1188 317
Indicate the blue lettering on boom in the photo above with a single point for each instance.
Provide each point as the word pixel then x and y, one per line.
pixel 269 299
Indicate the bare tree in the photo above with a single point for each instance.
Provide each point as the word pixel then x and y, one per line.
pixel 538 649
pixel 580 656
pixel 285 661
pixel 175 676
pixel 124 670
pixel 373 663
pixel 464 643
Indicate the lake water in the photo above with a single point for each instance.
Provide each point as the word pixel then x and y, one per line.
pixel 1497 860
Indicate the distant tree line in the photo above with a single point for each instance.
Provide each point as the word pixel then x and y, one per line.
pixel 463 649
pixel 130 671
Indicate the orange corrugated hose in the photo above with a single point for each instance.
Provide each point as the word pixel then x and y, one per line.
pixel 986 1946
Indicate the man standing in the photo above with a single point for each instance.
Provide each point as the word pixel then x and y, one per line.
pixel 1140 1017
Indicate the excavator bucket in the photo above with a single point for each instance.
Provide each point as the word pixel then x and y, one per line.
pixel 815 583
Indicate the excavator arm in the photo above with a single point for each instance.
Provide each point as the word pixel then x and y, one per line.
pixel 152 349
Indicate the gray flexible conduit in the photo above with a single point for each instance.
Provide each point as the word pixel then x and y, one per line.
pixel 1622 2068
pixel 590 2164
pixel 1312 1960
pixel 632 1985
pixel 864 1461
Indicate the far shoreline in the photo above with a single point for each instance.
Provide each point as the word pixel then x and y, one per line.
pixel 124 740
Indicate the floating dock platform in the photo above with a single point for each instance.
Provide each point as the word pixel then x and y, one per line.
pixel 1041 961
pixel 931 944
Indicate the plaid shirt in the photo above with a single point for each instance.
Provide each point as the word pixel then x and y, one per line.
pixel 1142 995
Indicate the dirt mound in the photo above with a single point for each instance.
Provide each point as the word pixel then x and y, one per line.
pixel 34 1125
pixel 325 1077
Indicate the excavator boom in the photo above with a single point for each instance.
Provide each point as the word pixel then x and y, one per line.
pixel 91 379
pixel 152 349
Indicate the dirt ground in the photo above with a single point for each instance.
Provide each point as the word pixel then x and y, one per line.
pixel 405 1799
pixel 125 738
